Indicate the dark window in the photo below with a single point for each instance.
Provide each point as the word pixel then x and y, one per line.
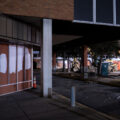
pixel 104 11
pixel 15 29
pixel 9 27
pixel 83 10
pixel 25 32
pixel 33 34
pixel 29 33
pixel 3 25
pixel 38 36
pixel 20 31
pixel 118 11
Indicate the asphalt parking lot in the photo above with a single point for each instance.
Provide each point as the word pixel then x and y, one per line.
pixel 103 98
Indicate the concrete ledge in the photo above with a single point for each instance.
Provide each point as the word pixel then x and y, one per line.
pixel 99 80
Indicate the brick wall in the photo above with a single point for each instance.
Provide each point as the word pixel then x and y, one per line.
pixel 56 9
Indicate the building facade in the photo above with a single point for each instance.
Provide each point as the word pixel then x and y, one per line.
pixel 16 54
pixel 28 23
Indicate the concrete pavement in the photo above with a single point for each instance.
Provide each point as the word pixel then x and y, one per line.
pixel 27 105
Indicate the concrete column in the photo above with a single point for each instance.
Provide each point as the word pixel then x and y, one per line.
pixel 32 65
pixel 85 67
pixel 64 62
pixel 46 58
pixel 54 61
pixel 68 65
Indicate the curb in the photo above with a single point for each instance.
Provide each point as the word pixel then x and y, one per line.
pixel 111 83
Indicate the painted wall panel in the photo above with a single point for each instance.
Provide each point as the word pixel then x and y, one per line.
pixel 12 64
pixel 28 63
pixel 3 64
pixel 20 63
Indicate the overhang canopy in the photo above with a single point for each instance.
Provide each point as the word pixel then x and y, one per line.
pixel 65 31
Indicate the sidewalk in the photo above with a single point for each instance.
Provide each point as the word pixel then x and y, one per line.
pixel 112 81
pixel 27 105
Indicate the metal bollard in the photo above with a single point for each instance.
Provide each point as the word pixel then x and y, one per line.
pixel 49 92
pixel 73 96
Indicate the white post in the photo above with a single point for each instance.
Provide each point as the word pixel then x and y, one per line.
pixel 73 96
pixel 46 57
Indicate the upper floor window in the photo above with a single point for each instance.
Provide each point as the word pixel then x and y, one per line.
pixel 83 10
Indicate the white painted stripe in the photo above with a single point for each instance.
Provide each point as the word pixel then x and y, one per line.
pixel 15 83
pixel 25 81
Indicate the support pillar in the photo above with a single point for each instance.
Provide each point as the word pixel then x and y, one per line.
pixel 64 62
pixel 69 65
pixel 46 58
pixel 85 67
pixel 54 61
